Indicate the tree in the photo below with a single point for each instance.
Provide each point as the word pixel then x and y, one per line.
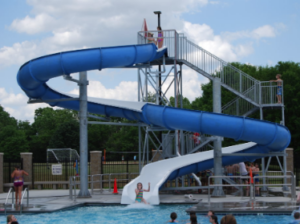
pixel 5 119
pixel 12 142
pixel 47 120
pixel 66 136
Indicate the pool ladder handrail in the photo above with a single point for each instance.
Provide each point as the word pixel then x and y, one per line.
pixel 27 195
pixel 72 183
pixel 11 190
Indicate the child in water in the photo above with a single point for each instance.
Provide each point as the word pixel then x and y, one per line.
pixel 139 193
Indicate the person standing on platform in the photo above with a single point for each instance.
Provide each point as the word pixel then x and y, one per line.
pixel 17 176
pixel 160 38
pixel 243 172
pixel 279 87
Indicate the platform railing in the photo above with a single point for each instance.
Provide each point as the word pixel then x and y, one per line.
pixel 73 182
pixel 169 38
pixel 269 92
pixel 11 191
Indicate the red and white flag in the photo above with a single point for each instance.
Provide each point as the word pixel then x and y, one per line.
pixel 145 28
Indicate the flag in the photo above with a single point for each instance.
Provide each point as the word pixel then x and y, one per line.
pixel 145 28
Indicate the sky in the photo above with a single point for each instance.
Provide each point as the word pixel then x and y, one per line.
pixel 247 31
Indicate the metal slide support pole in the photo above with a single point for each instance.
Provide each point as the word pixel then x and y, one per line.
pixel 84 191
pixel 217 108
pixel 264 188
pixel 139 99
pixel 285 187
pixel 263 166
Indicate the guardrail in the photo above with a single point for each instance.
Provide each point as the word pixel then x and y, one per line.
pixel 269 91
pixel 73 182
pixel 252 186
pixel 11 190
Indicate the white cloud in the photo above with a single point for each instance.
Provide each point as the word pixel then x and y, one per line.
pixel 204 36
pixel 223 45
pixel 123 91
pixel 76 24
pixel 127 90
pixel 100 23
pixel 18 53
pixel 40 23
pixel 16 105
pixel 264 31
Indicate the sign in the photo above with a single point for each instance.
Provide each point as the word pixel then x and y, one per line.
pixel 56 169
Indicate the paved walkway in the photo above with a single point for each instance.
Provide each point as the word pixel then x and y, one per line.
pixel 53 200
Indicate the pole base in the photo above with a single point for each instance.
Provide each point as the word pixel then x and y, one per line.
pixel 264 189
pixel 85 194
pixel 285 188
pixel 218 193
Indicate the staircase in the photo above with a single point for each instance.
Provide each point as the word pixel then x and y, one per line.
pixel 251 93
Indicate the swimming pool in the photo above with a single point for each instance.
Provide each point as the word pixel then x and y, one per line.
pixel 123 214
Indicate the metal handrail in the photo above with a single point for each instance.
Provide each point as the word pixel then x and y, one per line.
pixel 222 185
pixel 21 203
pixel 253 185
pixel 72 182
pixel 12 198
pixel 293 187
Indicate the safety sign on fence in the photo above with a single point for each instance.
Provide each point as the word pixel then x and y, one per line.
pixel 56 169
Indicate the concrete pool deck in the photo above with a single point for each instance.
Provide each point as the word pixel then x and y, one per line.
pixel 41 201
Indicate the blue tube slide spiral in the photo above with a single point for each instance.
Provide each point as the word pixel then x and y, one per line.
pixel 33 75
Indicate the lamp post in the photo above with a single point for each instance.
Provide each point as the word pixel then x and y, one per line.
pixel 158 16
pixel 159 66
pixel 159 74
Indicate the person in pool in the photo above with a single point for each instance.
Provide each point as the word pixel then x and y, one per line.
pixel 296 218
pixel 213 219
pixel 17 176
pixel 173 217
pixel 210 213
pixel 11 219
pixel 139 193
pixel 193 219
pixel 228 219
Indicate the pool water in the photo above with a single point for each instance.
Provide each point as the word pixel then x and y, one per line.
pixel 135 214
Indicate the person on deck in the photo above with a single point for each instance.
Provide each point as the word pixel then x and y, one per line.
pixel 17 176
pixel 160 38
pixel 255 174
pixel 243 172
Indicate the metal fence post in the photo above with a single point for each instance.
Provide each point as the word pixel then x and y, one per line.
pixel 70 188
pixel 127 170
pixel 66 169
pixel 9 170
pixel 32 170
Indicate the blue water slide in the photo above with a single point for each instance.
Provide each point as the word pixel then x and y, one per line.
pixel 33 75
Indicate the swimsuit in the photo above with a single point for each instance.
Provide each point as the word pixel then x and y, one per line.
pixel 159 35
pixel 139 196
pixel 279 90
pixel 18 181
pixel 256 179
